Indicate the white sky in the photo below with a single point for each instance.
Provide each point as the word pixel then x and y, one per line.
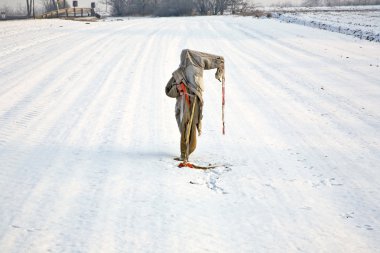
pixel 87 3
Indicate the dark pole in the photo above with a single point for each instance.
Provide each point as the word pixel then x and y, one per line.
pixel 75 4
pixel 28 8
pixel 93 9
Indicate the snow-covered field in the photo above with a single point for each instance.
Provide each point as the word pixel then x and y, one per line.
pixel 87 139
pixel 356 21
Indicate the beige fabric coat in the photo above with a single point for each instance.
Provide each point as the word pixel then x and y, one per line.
pixel 190 72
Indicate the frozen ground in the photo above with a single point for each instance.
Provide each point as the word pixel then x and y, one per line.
pixel 87 138
pixel 360 21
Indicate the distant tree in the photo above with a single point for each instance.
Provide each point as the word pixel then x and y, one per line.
pixel 175 7
pixel 218 6
pixel 215 7
pixel 202 6
pixel 119 7
pixel 238 6
pixel 145 7
pixel 29 8
pixel 222 6
pixel 105 2
pixel 311 3
pixel 285 4
pixel 51 5
pixel 167 8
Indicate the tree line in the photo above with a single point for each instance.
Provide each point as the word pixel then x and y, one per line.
pixel 51 5
pixel 175 7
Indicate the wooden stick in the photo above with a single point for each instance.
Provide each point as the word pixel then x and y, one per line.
pixel 188 129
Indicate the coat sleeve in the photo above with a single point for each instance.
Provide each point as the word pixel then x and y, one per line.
pixel 214 62
pixel 210 61
pixel 171 89
pixel 205 61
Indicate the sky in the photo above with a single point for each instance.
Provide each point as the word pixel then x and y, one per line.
pixel 87 3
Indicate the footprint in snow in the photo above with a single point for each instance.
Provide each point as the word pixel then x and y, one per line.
pixel 212 178
pixel 366 227
pixel 348 215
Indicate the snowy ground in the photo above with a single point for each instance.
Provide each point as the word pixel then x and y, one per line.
pixel 356 21
pixel 87 138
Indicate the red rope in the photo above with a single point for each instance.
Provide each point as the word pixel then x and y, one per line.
pixel 185 164
pixel 184 90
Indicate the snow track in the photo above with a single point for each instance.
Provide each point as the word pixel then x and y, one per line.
pixel 87 138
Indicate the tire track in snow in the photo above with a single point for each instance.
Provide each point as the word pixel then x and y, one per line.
pixel 254 121
pixel 50 87
pixel 299 91
pixel 98 184
pixel 26 159
pixel 197 228
pixel 278 84
pixel 291 126
pixel 138 131
pixel 51 55
pixel 294 49
pixel 326 132
pixel 100 166
pixel 247 92
pixel 340 72
pixel 348 106
pixel 112 57
pixel 57 114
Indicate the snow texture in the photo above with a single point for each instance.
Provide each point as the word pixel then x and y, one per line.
pixel 88 136
pixel 360 23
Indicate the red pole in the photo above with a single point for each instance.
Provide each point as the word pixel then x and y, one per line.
pixel 223 103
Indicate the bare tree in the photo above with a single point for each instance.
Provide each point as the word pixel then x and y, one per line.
pixel 143 7
pixel 203 6
pixel 119 7
pixel 238 6
pixel 222 6
pixel 174 7
pixel 29 8
pixel 105 2
pixel 51 5
pixel 214 7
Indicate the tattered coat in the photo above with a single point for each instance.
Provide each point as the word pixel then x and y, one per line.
pixel 190 72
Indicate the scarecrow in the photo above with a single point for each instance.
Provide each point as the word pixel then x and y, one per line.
pixel 186 85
